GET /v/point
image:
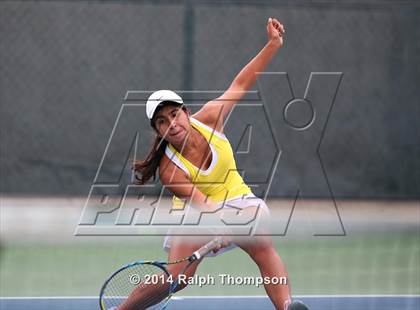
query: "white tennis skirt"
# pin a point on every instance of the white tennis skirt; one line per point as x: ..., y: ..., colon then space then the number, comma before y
x: 238, y: 203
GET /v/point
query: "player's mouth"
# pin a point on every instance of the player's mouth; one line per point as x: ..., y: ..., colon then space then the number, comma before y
x: 176, y: 134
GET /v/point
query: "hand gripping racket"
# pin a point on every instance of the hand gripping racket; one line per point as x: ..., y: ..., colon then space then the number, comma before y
x: 146, y: 284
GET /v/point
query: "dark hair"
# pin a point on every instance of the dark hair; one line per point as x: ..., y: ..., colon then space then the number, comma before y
x: 146, y: 169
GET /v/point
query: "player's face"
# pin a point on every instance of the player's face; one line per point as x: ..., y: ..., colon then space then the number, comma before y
x: 172, y: 123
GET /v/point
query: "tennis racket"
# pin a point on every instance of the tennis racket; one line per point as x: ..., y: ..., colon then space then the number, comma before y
x: 146, y: 284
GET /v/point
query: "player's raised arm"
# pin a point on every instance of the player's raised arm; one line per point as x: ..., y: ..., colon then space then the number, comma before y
x: 214, y: 112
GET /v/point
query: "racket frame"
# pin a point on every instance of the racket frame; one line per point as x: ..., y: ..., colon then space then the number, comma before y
x: 197, y: 255
x: 158, y: 264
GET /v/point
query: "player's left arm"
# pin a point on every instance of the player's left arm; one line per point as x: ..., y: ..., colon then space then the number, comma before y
x: 214, y: 112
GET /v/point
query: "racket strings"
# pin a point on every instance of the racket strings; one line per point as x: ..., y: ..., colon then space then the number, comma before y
x: 168, y: 288
x: 152, y: 296
x: 155, y: 296
x: 131, y: 282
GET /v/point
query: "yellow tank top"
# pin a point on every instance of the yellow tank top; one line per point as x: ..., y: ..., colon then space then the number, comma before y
x: 221, y: 181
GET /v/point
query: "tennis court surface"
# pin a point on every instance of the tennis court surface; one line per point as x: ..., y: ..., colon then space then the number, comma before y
x: 315, y: 302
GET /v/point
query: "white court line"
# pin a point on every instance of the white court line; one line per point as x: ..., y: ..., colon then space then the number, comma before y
x: 226, y: 297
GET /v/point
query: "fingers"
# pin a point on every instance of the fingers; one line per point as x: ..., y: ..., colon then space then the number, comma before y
x: 217, y: 249
x: 226, y: 241
x: 277, y: 25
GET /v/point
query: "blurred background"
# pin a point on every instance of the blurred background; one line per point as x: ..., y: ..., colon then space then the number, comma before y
x: 71, y: 69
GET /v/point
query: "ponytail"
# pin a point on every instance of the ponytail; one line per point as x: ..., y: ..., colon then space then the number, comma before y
x: 144, y: 170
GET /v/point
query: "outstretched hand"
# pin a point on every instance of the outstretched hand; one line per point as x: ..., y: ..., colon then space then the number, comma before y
x: 275, y: 31
x: 225, y: 242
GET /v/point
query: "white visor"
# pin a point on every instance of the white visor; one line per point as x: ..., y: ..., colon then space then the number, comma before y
x: 158, y: 97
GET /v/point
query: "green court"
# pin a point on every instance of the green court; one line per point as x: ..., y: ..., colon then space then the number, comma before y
x: 361, y: 264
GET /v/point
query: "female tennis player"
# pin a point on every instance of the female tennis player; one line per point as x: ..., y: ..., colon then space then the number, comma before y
x: 192, y: 151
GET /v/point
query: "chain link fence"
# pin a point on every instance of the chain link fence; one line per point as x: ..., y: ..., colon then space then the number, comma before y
x: 66, y: 67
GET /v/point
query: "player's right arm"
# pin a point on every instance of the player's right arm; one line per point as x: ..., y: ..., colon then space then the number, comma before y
x: 181, y: 186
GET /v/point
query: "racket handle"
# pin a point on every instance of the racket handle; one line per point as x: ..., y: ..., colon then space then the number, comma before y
x: 207, y: 248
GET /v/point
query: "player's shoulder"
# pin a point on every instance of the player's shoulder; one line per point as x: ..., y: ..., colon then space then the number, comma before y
x: 210, y: 116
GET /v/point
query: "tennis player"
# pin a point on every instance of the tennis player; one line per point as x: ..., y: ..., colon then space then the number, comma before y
x: 196, y: 163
